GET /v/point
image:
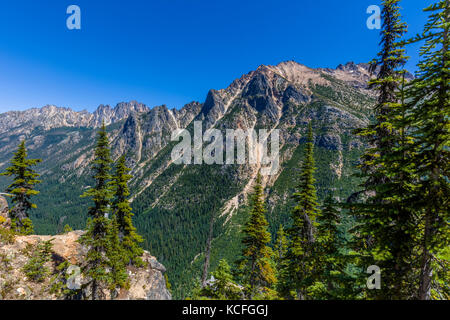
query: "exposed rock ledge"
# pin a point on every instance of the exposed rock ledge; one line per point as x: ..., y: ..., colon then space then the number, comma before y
x: 146, y: 283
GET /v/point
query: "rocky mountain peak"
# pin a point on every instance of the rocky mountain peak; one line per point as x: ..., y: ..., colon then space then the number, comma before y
x: 50, y: 117
x: 121, y: 111
x: 349, y: 66
x: 268, y: 88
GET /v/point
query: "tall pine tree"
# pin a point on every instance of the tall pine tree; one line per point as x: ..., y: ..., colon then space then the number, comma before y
x: 331, y: 260
x: 122, y: 215
x: 301, y: 245
x: 389, y: 64
x: 428, y: 115
x: 22, y: 189
x: 117, y: 259
x: 386, y: 221
x: 256, y: 264
x: 96, y: 236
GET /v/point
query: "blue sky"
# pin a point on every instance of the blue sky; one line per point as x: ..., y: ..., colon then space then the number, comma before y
x: 171, y: 52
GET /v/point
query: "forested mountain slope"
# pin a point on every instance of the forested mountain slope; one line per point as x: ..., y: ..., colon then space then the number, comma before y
x: 175, y: 204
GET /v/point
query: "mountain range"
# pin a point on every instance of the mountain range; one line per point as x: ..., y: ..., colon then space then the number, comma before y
x: 179, y: 207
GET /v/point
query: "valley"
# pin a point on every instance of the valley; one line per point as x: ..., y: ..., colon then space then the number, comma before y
x: 174, y: 204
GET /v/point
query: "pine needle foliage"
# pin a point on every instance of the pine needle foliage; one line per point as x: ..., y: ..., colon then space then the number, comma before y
x: 22, y: 189
x: 122, y: 216
x: 300, y: 256
x: 256, y: 265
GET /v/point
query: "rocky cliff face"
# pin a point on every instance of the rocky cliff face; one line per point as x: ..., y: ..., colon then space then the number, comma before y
x: 66, y: 257
x: 174, y: 204
x: 50, y: 116
x: 4, y: 218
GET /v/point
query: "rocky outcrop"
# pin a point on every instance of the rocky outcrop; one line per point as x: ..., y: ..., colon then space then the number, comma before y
x: 147, y: 283
x: 67, y: 256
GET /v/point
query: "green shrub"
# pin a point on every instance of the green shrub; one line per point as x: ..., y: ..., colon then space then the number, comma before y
x: 7, y: 235
x: 67, y: 229
x: 35, y: 269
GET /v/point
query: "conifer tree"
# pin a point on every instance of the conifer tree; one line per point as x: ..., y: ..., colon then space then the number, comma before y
x: 128, y: 236
x: 386, y: 221
x: 222, y: 286
x: 281, y: 250
x: 35, y: 269
x: 256, y: 264
x: 67, y: 229
x: 117, y: 261
x: 96, y: 236
x: 301, y: 245
x: 428, y: 115
x: 329, y: 245
x: 389, y: 64
x: 281, y: 246
x: 22, y: 189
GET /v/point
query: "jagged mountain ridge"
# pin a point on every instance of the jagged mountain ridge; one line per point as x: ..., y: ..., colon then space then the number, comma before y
x: 174, y: 204
x: 51, y: 116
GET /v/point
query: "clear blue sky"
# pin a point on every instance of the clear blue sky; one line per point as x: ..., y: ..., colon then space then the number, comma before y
x: 171, y: 51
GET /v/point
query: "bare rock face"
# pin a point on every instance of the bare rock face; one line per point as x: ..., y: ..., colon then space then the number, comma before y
x: 147, y: 283
x: 5, y: 221
x: 50, y: 117
x: 3, y: 208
